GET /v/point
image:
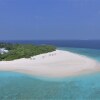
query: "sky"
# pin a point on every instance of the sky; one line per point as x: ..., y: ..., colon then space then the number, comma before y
x: 49, y: 19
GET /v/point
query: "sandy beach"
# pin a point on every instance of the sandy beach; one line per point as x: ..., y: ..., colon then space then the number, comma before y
x: 54, y: 64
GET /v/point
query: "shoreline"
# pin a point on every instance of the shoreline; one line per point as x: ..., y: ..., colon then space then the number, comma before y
x: 58, y: 64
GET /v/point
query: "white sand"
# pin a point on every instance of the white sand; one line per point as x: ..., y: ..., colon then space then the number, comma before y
x: 54, y: 64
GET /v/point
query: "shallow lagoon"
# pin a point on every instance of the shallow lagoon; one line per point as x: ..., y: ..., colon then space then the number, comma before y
x: 15, y: 86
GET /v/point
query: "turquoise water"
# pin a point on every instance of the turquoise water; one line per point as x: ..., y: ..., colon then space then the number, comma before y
x: 92, y: 53
x: 15, y: 86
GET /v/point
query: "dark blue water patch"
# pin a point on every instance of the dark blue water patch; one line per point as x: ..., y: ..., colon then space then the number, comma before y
x: 95, y: 44
x: 15, y: 86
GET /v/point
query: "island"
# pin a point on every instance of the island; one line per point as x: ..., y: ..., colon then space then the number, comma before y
x: 10, y: 51
x: 44, y: 61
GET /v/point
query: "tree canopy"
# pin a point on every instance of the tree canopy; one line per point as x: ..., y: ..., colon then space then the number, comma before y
x: 17, y: 51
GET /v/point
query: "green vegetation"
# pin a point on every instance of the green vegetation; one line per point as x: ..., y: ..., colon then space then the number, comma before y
x: 17, y: 51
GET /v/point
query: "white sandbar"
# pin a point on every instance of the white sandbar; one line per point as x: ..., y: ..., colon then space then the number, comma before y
x: 54, y: 64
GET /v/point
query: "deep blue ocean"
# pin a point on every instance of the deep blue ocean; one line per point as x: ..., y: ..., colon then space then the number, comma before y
x: 17, y: 86
x: 94, y: 44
